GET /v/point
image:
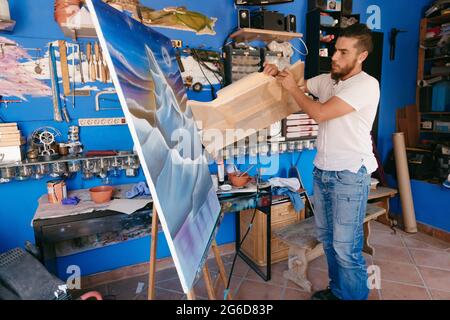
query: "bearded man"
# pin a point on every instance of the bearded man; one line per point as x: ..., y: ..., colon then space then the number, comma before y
x: 346, y: 109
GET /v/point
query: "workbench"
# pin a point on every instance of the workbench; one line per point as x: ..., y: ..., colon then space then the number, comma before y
x: 63, y: 230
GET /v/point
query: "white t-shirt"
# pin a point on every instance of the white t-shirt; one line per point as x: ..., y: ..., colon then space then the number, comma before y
x: 345, y: 143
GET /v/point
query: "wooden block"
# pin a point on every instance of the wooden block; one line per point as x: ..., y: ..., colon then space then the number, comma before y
x: 9, y: 136
x: 8, y: 129
x: 8, y: 124
x: 244, y: 107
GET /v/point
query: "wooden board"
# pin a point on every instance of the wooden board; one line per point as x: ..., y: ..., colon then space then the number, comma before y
x: 249, y: 34
x: 244, y: 107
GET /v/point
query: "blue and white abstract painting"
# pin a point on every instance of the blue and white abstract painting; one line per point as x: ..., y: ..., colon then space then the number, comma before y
x: 146, y: 75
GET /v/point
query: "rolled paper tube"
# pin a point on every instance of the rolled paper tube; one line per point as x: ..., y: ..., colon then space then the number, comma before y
x: 404, y: 183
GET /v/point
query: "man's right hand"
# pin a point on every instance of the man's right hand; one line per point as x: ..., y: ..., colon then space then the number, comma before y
x: 271, y: 69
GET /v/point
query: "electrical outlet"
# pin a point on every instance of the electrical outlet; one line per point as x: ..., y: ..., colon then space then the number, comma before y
x: 90, y: 122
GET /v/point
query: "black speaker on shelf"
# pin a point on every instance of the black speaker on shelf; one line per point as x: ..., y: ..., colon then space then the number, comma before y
x: 244, y: 18
x: 268, y: 20
x: 291, y: 23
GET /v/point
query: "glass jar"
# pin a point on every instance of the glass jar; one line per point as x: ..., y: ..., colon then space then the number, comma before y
x: 24, y: 173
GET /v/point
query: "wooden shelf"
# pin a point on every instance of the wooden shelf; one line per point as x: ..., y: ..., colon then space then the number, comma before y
x: 440, y: 19
x: 438, y: 58
x: 248, y: 34
x: 431, y: 131
x: 7, y: 25
x: 436, y: 113
x: 431, y: 76
x: 85, y: 32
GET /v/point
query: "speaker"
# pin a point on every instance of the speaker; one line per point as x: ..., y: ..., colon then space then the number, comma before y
x: 268, y: 20
x: 290, y: 23
x: 244, y: 18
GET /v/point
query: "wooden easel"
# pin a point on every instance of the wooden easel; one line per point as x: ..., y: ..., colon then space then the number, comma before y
x: 206, y: 275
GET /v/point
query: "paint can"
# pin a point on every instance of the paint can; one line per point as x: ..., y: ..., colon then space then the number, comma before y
x: 56, y: 190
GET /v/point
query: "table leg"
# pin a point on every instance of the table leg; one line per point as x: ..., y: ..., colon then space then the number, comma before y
x: 367, y: 248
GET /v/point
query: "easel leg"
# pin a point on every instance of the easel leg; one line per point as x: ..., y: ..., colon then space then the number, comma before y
x: 222, y: 272
x: 208, y: 283
x: 191, y: 295
x: 206, y: 274
x: 151, y: 275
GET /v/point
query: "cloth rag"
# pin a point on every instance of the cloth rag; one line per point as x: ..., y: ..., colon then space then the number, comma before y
x: 295, y: 198
x: 71, y: 201
x: 138, y: 189
x: 291, y: 183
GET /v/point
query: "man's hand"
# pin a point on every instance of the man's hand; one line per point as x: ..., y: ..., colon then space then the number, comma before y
x: 287, y: 80
x: 270, y: 69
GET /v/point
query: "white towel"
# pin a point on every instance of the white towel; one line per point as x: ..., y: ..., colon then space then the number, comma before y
x: 291, y: 183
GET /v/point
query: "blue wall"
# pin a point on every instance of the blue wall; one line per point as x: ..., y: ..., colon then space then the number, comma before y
x: 35, y: 30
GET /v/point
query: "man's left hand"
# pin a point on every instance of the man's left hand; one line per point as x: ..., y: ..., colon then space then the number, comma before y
x: 287, y: 80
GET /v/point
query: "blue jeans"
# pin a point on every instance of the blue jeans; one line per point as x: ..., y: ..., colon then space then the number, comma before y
x: 340, y: 200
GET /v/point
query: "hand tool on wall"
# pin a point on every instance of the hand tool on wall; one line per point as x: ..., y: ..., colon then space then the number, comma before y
x: 103, y: 67
x: 5, y: 101
x: 393, y: 41
x: 97, y: 59
x: 64, y: 66
x: 80, y: 62
x: 89, y: 60
x: 55, y: 87
x: 115, y: 99
x: 65, y: 113
x: 108, y: 75
x: 74, y: 47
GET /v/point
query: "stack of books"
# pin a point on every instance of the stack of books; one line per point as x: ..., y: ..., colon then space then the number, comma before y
x: 299, y: 125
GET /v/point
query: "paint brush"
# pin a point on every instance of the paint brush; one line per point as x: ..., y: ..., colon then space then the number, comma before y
x: 246, y: 170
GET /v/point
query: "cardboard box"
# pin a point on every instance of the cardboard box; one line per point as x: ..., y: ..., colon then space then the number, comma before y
x: 11, y: 154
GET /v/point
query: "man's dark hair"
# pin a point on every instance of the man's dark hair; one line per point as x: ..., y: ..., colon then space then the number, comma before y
x: 362, y: 33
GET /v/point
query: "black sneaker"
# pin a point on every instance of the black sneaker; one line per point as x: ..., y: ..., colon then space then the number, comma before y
x: 324, y: 295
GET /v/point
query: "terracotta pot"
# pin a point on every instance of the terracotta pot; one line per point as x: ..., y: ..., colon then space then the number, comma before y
x: 101, y: 194
x: 239, y: 181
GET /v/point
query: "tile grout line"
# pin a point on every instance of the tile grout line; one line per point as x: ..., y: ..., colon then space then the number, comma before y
x: 418, y: 271
x: 424, y: 249
x: 413, y: 264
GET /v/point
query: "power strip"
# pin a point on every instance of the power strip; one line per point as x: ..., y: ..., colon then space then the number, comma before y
x: 91, y: 122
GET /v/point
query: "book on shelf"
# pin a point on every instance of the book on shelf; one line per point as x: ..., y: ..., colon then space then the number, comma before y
x: 302, y: 128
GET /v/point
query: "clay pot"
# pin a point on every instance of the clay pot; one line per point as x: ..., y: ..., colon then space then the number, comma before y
x: 101, y: 194
x: 239, y: 181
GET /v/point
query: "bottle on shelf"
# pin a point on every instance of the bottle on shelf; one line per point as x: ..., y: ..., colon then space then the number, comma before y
x: 220, y: 170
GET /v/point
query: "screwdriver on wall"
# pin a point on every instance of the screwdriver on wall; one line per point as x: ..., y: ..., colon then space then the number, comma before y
x: 89, y: 58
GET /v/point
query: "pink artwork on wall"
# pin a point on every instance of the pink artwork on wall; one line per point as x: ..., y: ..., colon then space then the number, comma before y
x: 16, y: 78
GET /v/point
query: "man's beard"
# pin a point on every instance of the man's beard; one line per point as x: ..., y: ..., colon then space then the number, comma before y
x: 336, y: 76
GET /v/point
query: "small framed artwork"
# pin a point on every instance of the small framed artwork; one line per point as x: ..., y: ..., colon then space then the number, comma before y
x: 334, y: 5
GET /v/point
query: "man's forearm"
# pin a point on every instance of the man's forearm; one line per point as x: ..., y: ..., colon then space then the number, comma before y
x: 310, y: 107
